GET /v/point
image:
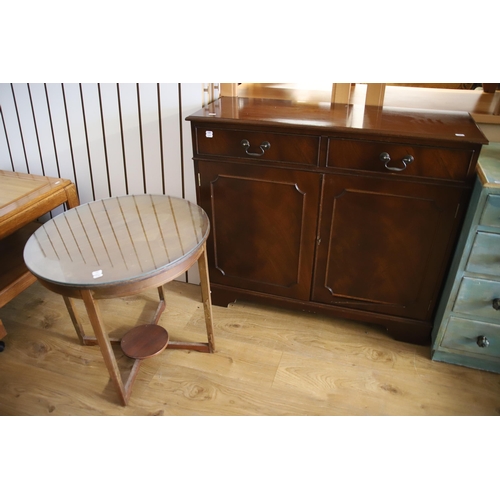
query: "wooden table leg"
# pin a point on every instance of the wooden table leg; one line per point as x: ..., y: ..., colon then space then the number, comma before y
x: 3, y: 332
x: 124, y: 389
x: 205, y: 296
x: 105, y: 345
x: 72, y: 196
x: 161, y: 306
x: 75, y: 319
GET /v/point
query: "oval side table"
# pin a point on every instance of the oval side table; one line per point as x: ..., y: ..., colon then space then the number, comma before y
x: 119, y: 247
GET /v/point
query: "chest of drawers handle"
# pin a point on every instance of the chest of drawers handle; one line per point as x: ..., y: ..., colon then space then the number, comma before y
x: 386, y: 158
x: 263, y: 147
x: 482, y: 341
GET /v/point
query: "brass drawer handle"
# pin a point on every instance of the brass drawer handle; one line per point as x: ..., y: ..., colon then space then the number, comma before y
x: 482, y: 341
x: 263, y: 147
x: 385, y: 157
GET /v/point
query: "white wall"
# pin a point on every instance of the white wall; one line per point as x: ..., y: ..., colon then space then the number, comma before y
x: 109, y: 139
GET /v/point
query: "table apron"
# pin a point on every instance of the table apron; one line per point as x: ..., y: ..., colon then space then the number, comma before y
x: 36, y: 208
x: 126, y: 288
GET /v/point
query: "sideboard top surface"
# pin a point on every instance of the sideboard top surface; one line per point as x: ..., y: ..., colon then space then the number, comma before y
x: 436, y: 126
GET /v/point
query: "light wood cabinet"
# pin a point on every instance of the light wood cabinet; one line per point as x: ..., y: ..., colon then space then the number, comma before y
x: 23, y: 199
x: 332, y: 210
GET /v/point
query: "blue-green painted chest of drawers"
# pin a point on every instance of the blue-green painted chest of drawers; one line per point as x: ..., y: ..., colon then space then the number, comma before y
x: 467, y: 325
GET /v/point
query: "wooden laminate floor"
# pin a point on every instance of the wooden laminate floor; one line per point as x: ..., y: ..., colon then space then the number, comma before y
x: 267, y: 362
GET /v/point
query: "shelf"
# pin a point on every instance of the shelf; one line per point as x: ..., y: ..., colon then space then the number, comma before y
x: 14, y: 275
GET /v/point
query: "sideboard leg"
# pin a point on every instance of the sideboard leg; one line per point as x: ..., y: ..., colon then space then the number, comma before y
x: 411, y: 333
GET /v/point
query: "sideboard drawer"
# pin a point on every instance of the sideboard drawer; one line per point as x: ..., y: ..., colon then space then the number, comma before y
x: 427, y: 161
x: 476, y: 297
x: 462, y: 335
x: 485, y: 257
x: 261, y: 146
x: 491, y: 213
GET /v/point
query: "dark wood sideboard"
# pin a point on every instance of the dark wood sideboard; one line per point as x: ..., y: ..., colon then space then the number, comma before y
x: 342, y: 210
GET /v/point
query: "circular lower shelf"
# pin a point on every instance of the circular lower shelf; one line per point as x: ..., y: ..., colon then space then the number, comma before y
x: 144, y: 341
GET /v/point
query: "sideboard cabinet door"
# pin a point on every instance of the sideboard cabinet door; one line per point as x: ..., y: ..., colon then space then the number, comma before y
x: 384, y: 244
x: 263, y: 230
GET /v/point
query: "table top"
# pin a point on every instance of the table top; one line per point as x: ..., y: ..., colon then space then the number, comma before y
x: 17, y: 189
x: 116, y: 240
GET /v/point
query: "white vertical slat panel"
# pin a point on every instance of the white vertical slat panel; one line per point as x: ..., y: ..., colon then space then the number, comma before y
x: 60, y: 130
x: 191, y: 101
x: 150, y: 129
x: 44, y: 129
x: 45, y: 138
x: 22, y: 97
x: 14, y: 143
x: 131, y: 138
x: 78, y: 141
x: 114, y: 144
x: 54, y: 112
x: 92, y: 111
x: 5, y: 157
x: 171, y: 139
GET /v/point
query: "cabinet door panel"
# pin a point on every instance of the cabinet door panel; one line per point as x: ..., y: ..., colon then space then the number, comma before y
x: 263, y: 226
x: 384, y: 244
